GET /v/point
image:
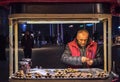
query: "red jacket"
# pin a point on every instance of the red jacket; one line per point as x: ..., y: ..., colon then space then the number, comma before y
x: 90, y: 49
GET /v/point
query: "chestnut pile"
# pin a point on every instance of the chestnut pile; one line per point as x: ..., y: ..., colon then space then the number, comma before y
x: 68, y: 73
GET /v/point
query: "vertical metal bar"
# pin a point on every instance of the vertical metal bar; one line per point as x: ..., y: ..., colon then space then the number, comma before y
x: 50, y: 28
x: 31, y: 26
x: 16, y: 46
x: 99, y: 8
x: 62, y: 32
x: 58, y: 31
x: 109, y: 44
x: 93, y: 29
x: 84, y: 26
x: 105, y: 44
x: 53, y: 34
x: 10, y: 47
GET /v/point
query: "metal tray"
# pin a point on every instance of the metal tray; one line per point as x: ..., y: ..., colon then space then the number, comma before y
x: 62, y: 74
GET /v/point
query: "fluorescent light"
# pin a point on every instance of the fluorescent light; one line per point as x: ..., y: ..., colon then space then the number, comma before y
x: 58, y: 22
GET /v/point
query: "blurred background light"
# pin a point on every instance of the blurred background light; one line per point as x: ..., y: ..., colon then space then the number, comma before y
x: 23, y: 26
x: 118, y: 27
x: 89, y: 25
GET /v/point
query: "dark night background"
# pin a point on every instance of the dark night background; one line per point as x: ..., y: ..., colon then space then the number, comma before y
x: 69, y: 30
x: 44, y: 8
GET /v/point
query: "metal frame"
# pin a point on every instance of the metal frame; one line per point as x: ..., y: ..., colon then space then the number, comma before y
x: 14, y: 19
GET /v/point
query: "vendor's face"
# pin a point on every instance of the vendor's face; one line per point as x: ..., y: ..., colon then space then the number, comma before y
x: 82, y: 38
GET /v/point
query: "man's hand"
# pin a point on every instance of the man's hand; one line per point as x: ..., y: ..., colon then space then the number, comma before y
x: 84, y: 59
x: 90, y: 62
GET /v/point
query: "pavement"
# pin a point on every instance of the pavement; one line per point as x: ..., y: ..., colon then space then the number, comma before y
x: 45, y: 57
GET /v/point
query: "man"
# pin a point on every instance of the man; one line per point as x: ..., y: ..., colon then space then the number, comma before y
x: 82, y: 52
x: 27, y: 44
x: 39, y: 39
x: 116, y: 55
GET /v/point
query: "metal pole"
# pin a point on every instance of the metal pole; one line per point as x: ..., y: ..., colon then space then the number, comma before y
x: 50, y: 30
x: 58, y: 31
x: 84, y: 26
x: 31, y: 27
x: 105, y: 44
x: 16, y: 46
x: 53, y: 34
x: 93, y: 29
x: 99, y: 8
x: 62, y: 32
x: 58, y: 34
x: 109, y: 44
x: 10, y: 47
